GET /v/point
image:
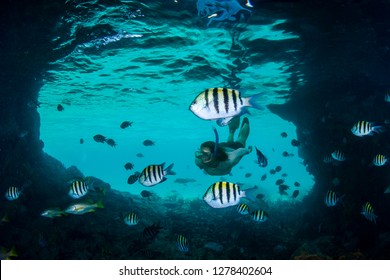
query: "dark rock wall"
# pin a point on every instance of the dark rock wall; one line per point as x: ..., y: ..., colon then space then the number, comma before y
x: 346, y: 62
x: 26, y: 29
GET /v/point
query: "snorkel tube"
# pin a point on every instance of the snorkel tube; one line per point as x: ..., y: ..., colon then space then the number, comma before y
x: 216, y: 142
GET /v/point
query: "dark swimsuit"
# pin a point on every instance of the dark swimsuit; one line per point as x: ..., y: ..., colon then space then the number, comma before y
x: 232, y: 145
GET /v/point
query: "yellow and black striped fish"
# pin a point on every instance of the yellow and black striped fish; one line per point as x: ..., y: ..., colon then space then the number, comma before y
x: 222, y: 104
x: 77, y: 189
x: 379, y: 160
x: 155, y: 174
x: 331, y: 199
x: 363, y: 128
x: 224, y: 194
x: 13, y: 193
x: 243, y: 209
x: 182, y: 243
x: 259, y: 216
x: 368, y: 212
x: 338, y: 155
x: 131, y: 219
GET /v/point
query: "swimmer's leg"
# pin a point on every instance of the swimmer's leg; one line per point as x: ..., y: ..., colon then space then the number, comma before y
x: 244, y: 132
x: 233, y: 125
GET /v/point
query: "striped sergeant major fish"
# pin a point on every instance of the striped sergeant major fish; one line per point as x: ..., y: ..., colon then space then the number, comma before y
x: 331, y: 198
x: 243, y: 209
x: 78, y: 188
x: 368, y: 212
x: 379, y: 160
x: 338, y: 155
x: 259, y: 216
x: 223, y: 104
x: 363, y: 128
x: 225, y: 194
x: 155, y: 174
x: 182, y: 243
x: 131, y: 219
x: 13, y: 193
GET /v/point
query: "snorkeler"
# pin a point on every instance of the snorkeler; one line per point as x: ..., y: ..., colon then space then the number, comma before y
x: 219, y: 158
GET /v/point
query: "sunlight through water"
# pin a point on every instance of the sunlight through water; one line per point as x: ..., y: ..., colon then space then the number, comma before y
x: 147, y: 68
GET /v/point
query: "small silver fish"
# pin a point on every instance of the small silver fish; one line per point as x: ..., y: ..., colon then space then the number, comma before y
x: 52, y: 213
x: 82, y: 208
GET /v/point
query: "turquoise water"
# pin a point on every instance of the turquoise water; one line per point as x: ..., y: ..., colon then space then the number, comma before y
x: 110, y: 61
x: 148, y: 70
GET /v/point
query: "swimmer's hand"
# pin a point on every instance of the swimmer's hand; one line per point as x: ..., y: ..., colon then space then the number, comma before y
x: 250, y: 149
